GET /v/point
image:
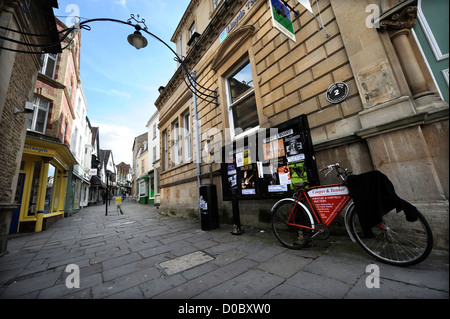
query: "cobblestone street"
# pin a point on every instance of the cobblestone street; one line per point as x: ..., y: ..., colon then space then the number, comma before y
x: 142, y: 254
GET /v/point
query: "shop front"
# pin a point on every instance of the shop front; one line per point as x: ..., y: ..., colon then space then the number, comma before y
x: 144, y: 191
x: 41, y: 186
x: 77, y: 193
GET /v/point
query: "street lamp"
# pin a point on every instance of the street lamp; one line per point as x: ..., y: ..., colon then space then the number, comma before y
x: 138, y: 41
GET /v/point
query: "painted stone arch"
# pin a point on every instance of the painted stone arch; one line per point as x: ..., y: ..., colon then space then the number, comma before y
x: 231, y: 44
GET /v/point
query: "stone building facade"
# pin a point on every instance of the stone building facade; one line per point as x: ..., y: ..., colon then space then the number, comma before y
x: 123, y: 178
x: 18, y: 69
x: 153, y: 158
x: 392, y: 120
x: 137, y: 171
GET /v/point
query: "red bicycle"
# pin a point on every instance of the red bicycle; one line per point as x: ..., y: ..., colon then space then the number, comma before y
x: 306, y: 216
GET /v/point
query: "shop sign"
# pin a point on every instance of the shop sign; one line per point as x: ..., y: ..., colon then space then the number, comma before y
x: 37, y: 150
x: 237, y: 19
x: 78, y: 171
x: 281, y: 19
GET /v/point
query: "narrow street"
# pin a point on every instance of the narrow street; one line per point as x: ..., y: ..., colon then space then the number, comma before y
x: 142, y: 254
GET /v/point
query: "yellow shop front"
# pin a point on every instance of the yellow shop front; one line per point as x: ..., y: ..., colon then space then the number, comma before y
x: 41, y: 185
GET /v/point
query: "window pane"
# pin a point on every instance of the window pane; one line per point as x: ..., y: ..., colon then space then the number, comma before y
x: 240, y: 83
x: 40, y: 121
x: 49, y: 191
x: 245, y: 115
x: 30, y: 123
x: 166, y: 154
x: 50, y: 65
x: 43, y: 104
x: 34, y: 189
x: 176, y: 145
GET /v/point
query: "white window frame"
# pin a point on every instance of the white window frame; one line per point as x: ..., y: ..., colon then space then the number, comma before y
x: 176, y: 142
x: 39, y: 105
x: 166, y: 151
x: 45, y: 58
x: 154, y: 131
x: 142, y: 188
x: 187, y: 137
x: 192, y: 29
x: 242, y: 98
x: 74, y: 141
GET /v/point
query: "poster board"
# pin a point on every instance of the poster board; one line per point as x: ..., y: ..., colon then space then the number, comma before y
x: 268, y: 164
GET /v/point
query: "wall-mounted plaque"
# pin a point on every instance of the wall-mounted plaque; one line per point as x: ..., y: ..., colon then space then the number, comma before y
x: 337, y: 92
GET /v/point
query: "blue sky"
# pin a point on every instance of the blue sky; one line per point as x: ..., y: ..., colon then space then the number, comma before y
x: 121, y: 83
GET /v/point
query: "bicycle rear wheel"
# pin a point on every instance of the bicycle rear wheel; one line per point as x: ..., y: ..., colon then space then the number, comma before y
x: 395, y: 241
x: 293, y: 237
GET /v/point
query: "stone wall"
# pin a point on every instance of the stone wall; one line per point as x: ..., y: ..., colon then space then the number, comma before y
x: 386, y: 122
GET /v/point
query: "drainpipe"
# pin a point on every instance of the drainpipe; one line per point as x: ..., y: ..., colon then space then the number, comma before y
x: 197, y: 138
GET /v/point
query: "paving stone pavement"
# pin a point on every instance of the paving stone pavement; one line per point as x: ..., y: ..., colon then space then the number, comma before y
x: 127, y: 256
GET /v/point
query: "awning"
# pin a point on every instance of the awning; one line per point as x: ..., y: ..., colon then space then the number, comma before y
x: 96, y: 181
x: 41, y: 146
x: 143, y: 177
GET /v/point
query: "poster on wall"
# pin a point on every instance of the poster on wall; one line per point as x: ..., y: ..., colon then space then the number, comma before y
x: 272, y: 164
x: 298, y: 173
x: 248, y: 180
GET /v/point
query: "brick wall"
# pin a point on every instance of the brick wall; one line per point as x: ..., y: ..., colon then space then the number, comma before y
x: 13, y: 127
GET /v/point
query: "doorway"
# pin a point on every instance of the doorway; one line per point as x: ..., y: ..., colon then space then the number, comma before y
x: 14, y: 226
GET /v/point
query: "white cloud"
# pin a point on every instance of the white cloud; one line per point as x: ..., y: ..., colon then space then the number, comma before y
x: 119, y: 93
x: 111, y: 92
x: 122, y: 3
x: 117, y: 138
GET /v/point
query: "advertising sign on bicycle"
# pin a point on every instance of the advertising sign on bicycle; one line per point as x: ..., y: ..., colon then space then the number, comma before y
x: 329, y: 201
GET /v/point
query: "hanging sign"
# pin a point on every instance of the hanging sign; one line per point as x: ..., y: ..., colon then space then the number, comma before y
x: 337, y: 92
x: 281, y: 18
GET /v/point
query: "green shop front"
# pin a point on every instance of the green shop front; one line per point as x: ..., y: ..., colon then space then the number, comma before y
x: 146, y: 190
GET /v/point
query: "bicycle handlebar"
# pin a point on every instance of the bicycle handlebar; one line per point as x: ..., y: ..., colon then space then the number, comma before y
x: 342, y: 174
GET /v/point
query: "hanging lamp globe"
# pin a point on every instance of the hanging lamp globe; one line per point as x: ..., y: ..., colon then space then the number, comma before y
x: 137, y: 40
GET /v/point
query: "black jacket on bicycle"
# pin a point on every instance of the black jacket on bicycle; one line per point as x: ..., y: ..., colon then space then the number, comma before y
x: 374, y: 195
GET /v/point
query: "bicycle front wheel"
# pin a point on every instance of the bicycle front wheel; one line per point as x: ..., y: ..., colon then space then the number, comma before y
x: 285, y: 213
x: 395, y: 241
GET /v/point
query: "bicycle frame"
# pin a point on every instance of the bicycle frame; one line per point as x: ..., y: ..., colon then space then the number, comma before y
x: 325, y: 204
